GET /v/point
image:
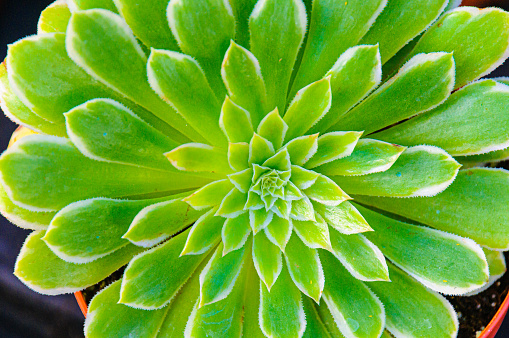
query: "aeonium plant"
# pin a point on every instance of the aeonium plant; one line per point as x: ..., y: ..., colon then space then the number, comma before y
x: 271, y: 168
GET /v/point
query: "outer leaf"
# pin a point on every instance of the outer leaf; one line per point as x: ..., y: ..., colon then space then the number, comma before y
x: 325, y: 315
x: 199, y: 157
x: 260, y: 149
x: 302, y: 210
x: 362, y: 318
x: 279, y: 231
x: 54, y: 18
x: 325, y: 191
x: 310, y: 104
x: 277, y: 30
x: 412, y: 310
x: 242, y: 180
x: 314, y: 324
x: 482, y: 109
x: 343, y: 217
x: 251, y: 326
x: 242, y: 10
x: 243, y: 79
x: 305, y: 268
x: 210, y: 195
x: 333, y: 146
x: 259, y: 219
x: 235, y: 232
x: 153, y: 278
x: 303, y: 178
x: 232, y: 204
x: 235, y: 122
x: 41, y: 270
x: 105, y: 316
x: 79, y: 5
x: 369, y: 156
x: 181, y: 82
x: 354, y: 75
x: 273, y: 128
x: 419, y: 171
x: 497, y: 267
x: 281, y: 310
x: 314, y: 234
x: 452, y: 211
x: 301, y: 149
x: 488, y: 29
x: 333, y: 28
x: 474, y: 160
x: 359, y: 256
x: 421, y: 84
x: 398, y: 24
x: 104, y: 130
x: 238, y: 156
x: 204, y: 234
x: 443, y: 262
x: 267, y: 259
x: 39, y: 171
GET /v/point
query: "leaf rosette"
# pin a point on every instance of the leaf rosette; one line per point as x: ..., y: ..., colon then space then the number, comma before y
x: 263, y: 168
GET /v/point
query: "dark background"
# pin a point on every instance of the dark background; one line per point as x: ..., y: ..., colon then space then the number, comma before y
x: 24, y: 313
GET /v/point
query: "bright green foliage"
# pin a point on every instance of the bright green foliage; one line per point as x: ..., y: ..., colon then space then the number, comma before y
x: 254, y: 170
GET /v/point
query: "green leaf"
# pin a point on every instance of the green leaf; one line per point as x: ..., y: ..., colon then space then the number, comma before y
x: 302, y: 148
x: 344, y: 217
x: 180, y: 81
x: 267, y: 259
x: 280, y: 161
x: 419, y: 171
x: 199, y: 157
x: 314, y: 234
x: 148, y: 22
x: 333, y: 146
x: 235, y: 232
x: 232, y: 204
x: 203, y: 29
x: 281, y: 310
x: 21, y: 217
x: 54, y: 18
x: 46, y: 173
x: 302, y: 210
x: 412, y: 310
x: 369, y: 156
x: 305, y: 268
x: 453, y: 211
x: 242, y: 10
x: 327, y: 320
x: 87, y: 230
x: 153, y: 278
x: 238, y: 155
x: 210, y: 195
x: 497, y: 267
x: 242, y: 179
x: 359, y: 256
x: 273, y: 128
x: 277, y: 30
x: 105, y: 316
x: 314, y: 324
x: 243, y: 79
x: 362, y: 318
x: 398, y: 24
x: 482, y: 108
x: 279, y: 231
x: 104, y: 130
x: 441, y: 261
x: 479, y: 40
x: 204, y: 234
x: 19, y: 113
x: 79, y: 5
x: 235, y: 122
x: 251, y: 326
x: 325, y: 191
x: 303, y: 178
x: 334, y: 27
x: 259, y: 219
x: 260, y: 149
x: 477, y: 160
x: 157, y: 222
x: 103, y: 45
x: 41, y: 270
x: 421, y: 84
x: 310, y: 104
x: 354, y: 75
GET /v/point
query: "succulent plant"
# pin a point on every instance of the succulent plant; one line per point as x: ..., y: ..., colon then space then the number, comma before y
x: 278, y: 168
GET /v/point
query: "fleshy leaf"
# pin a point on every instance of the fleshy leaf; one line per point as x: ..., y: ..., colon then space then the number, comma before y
x: 486, y: 28
x: 210, y: 195
x: 104, y: 130
x: 333, y: 146
x: 157, y: 222
x: 326, y: 191
x: 199, y: 157
x: 310, y: 104
x: 267, y: 259
x: 205, y: 234
x: 232, y: 204
x: 301, y: 149
x: 359, y: 256
x: 443, y: 262
x: 314, y: 234
x: 305, y: 268
x: 106, y: 315
x: 419, y: 171
x: 369, y: 156
x: 303, y: 178
x: 314, y: 324
x: 41, y: 270
x: 362, y: 318
x: 46, y: 173
x: 280, y: 161
x: 344, y: 217
x: 260, y: 149
x: 235, y: 232
x: 422, y: 83
x: 273, y: 128
x: 398, y: 24
x: 235, y: 122
x: 414, y: 311
x: 238, y: 156
x: 181, y: 82
x: 482, y: 108
x: 80, y: 5
x: 153, y: 278
x: 302, y: 210
x: 243, y: 79
x: 54, y: 18
x: 279, y: 231
x: 281, y: 310
x: 453, y: 211
x: 497, y: 267
x: 277, y: 30
x: 242, y: 179
x: 259, y: 219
